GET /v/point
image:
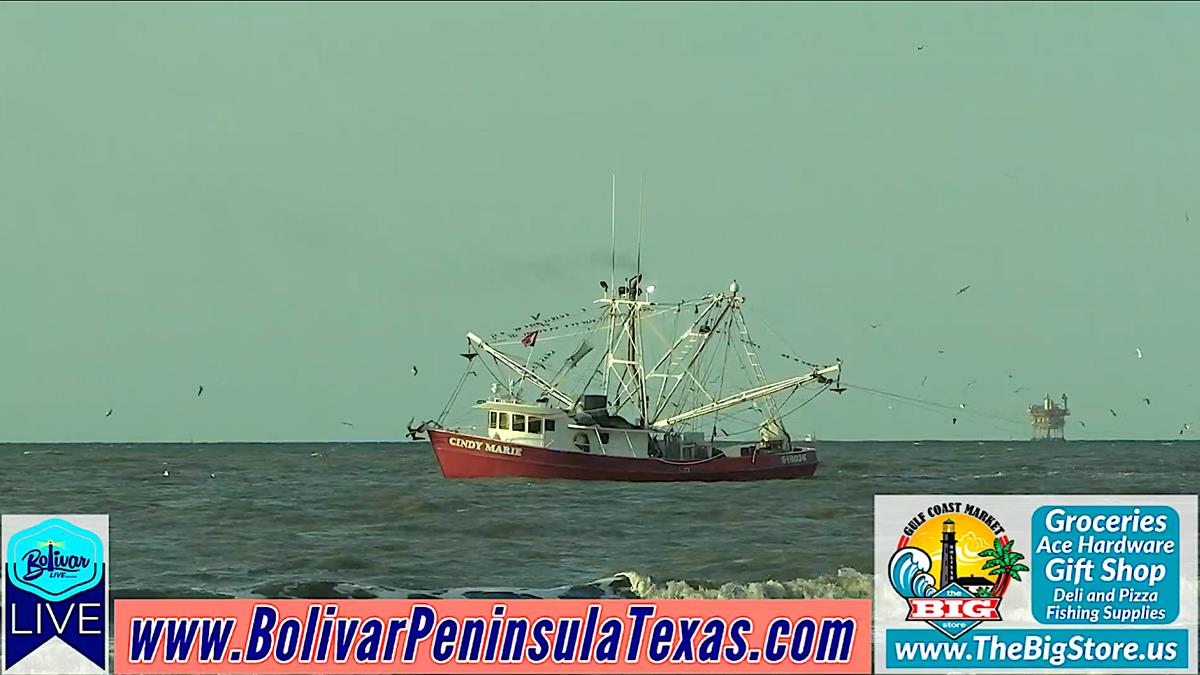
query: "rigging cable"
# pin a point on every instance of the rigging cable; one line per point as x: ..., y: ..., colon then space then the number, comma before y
x: 721, y: 384
x: 901, y: 397
x: 934, y: 404
x: 454, y: 396
x: 799, y: 406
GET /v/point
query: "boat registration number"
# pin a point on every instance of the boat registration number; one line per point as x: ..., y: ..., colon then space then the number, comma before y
x: 794, y: 458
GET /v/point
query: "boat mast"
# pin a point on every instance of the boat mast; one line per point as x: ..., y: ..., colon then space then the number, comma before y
x: 698, y: 339
x: 623, y: 363
x: 773, y: 421
x: 612, y: 288
x: 635, y: 346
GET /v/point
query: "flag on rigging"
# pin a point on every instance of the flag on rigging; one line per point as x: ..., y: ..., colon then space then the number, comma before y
x: 530, y: 339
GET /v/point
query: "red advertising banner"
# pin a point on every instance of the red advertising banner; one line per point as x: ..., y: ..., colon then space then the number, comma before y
x: 490, y: 636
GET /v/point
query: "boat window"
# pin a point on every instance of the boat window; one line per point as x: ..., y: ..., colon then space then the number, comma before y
x: 503, y: 421
x: 535, y: 425
x: 604, y: 437
x: 518, y: 422
x: 549, y: 425
x: 491, y: 419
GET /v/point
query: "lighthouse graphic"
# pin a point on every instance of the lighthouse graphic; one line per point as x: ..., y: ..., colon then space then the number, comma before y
x: 949, y: 592
x: 949, y: 554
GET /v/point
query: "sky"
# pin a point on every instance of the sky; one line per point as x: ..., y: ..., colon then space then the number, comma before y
x: 293, y: 204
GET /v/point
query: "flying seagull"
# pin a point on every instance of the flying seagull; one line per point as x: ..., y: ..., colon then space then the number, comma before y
x: 414, y: 371
x: 1019, y: 390
x: 1082, y: 424
x: 348, y: 424
x: 1147, y: 401
x: 1186, y: 427
x: 535, y: 316
x: 923, y: 380
x: 874, y: 325
x: 971, y: 383
x: 469, y: 355
x: 953, y: 420
x: 1139, y: 351
x: 1114, y: 412
x: 963, y: 289
x: 920, y: 47
x: 200, y: 390
x: 963, y: 406
x: 941, y: 351
x: 109, y: 413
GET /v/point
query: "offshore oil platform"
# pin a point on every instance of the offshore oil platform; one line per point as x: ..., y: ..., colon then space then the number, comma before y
x: 1049, y: 419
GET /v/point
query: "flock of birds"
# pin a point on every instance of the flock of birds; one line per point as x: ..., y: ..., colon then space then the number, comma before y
x: 954, y: 420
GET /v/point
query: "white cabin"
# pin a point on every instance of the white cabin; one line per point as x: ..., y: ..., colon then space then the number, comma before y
x: 545, y: 426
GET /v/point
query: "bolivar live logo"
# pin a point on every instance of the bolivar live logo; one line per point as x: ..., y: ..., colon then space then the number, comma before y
x: 55, y: 594
x: 942, y: 564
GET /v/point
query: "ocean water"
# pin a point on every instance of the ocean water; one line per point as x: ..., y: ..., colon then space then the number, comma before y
x: 323, y: 520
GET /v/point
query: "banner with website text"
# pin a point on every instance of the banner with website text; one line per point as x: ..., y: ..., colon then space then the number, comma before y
x: 1030, y: 584
x: 492, y: 636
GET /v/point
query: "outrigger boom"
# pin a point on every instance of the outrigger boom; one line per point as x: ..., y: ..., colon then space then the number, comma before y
x: 503, y: 358
x: 747, y: 396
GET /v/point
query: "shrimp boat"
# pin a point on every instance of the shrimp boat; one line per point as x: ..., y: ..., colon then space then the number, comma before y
x: 634, y: 416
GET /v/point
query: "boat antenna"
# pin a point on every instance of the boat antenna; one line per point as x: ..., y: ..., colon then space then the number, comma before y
x: 612, y: 279
x: 636, y: 335
x: 641, y: 219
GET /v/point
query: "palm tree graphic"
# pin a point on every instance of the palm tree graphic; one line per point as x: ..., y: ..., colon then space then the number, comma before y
x: 1003, y: 563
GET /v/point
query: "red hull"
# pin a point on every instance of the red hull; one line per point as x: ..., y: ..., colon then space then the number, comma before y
x: 467, y: 456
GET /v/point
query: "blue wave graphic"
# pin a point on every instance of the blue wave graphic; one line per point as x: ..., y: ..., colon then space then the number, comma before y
x: 909, y: 573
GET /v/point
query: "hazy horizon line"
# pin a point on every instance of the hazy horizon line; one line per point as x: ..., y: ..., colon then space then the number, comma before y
x: 422, y: 442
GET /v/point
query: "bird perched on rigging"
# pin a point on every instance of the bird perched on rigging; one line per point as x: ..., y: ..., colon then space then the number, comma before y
x: 414, y: 432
